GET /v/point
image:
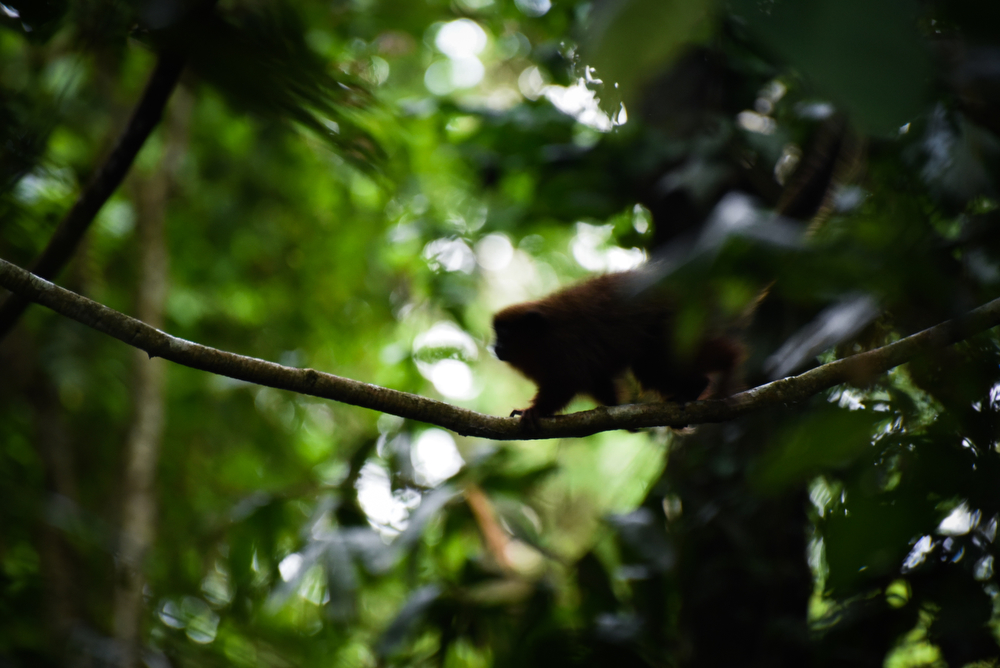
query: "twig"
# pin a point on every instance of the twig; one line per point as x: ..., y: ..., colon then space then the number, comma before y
x: 858, y: 368
x: 104, y: 182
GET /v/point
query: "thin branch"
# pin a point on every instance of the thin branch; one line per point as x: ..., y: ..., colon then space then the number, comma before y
x: 105, y: 181
x: 859, y: 368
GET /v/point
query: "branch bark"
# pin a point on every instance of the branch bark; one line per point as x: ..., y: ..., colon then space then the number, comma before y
x: 858, y: 369
x: 105, y: 181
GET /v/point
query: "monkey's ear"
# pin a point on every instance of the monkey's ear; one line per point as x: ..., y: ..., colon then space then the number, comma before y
x: 534, y: 319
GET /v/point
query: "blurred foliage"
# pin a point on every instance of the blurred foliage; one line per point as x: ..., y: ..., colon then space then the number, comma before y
x: 364, y: 184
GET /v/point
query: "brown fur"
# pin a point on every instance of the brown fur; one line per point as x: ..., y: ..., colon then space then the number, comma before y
x: 581, y: 339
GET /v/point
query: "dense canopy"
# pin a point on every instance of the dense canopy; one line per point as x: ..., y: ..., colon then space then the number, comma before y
x: 324, y: 203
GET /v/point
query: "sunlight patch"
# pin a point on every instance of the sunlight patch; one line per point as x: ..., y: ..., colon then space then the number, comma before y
x: 435, y: 457
x: 461, y: 41
x: 959, y: 522
x: 593, y: 250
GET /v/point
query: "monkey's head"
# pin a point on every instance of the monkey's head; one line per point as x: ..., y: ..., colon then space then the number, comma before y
x: 519, y: 330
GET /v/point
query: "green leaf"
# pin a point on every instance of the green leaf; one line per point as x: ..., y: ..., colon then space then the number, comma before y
x: 629, y: 41
x: 865, y: 54
x: 827, y: 437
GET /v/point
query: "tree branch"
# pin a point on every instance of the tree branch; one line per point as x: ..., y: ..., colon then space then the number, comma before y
x: 104, y: 182
x: 859, y: 369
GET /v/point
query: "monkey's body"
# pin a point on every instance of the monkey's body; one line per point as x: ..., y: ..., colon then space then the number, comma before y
x: 581, y: 339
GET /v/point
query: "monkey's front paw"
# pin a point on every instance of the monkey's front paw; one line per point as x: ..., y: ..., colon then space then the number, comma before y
x: 529, y: 418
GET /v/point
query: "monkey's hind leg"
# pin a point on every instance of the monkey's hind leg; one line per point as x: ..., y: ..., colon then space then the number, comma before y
x: 605, y: 392
x: 722, y: 357
x: 669, y: 381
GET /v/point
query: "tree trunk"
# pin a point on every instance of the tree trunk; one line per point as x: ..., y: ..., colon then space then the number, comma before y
x: 142, y: 448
